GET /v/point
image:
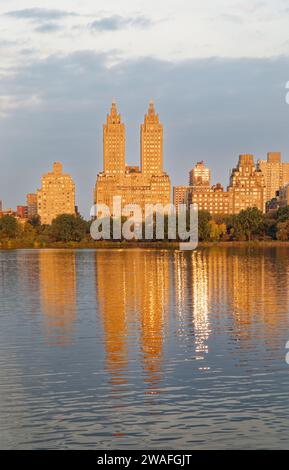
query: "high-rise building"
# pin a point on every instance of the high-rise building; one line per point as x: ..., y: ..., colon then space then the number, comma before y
x: 56, y: 196
x: 114, y: 143
x: 181, y: 194
x: 151, y: 143
x: 247, y: 186
x: 150, y: 185
x: 31, y: 199
x: 200, y: 175
x: 276, y: 173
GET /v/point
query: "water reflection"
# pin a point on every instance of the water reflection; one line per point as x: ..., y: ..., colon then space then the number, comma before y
x: 133, y: 295
x: 142, y: 348
x: 57, y: 281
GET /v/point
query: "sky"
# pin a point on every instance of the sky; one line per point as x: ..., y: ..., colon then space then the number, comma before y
x: 217, y: 71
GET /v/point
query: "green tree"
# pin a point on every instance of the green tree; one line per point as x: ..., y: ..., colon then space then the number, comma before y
x: 204, y: 226
x: 217, y: 231
x: 283, y: 214
x: 9, y: 227
x: 283, y: 231
x: 248, y: 224
x: 68, y: 228
x: 270, y: 226
x: 35, y: 221
x: 29, y: 233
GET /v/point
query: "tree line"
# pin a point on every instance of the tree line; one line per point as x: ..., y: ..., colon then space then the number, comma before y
x: 249, y: 224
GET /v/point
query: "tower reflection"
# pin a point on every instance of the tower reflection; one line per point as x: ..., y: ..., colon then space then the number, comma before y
x: 57, y: 279
x: 133, y: 294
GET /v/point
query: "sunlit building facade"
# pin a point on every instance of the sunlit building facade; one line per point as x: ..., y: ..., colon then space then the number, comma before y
x: 200, y: 175
x: 247, y: 186
x: 246, y: 189
x: 212, y: 199
x: 56, y: 196
x: 148, y: 185
x: 181, y: 194
x: 276, y: 173
x: 31, y: 202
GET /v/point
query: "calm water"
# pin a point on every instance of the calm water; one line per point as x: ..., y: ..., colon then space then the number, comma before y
x: 144, y: 349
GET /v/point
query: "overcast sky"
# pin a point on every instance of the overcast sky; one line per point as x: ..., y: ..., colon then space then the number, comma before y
x: 216, y: 69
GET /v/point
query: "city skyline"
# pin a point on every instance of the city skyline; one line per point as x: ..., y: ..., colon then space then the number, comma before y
x: 217, y: 98
x: 220, y: 171
x: 151, y: 117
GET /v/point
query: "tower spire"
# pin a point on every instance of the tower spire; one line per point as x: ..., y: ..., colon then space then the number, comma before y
x: 113, y: 107
x: 151, y: 107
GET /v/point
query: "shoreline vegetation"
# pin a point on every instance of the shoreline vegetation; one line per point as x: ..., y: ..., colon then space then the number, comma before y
x: 248, y: 228
x: 147, y: 245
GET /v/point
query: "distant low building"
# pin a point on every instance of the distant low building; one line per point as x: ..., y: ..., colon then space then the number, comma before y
x: 211, y: 199
x: 22, y: 212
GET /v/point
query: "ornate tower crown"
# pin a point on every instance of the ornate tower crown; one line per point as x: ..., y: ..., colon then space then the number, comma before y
x: 113, y: 117
x: 151, y: 116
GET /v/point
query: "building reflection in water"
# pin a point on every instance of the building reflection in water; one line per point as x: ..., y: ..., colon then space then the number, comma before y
x: 28, y: 279
x: 154, y: 295
x: 222, y: 286
x: 212, y: 288
x: 257, y: 276
x: 192, y: 299
x: 133, y: 294
x: 112, y: 298
x: 57, y: 278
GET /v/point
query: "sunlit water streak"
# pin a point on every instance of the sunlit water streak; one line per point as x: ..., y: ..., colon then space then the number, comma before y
x: 144, y: 349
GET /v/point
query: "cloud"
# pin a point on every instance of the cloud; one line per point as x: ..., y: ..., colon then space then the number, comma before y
x: 15, y: 103
x: 40, y: 14
x: 48, y: 28
x: 116, y: 22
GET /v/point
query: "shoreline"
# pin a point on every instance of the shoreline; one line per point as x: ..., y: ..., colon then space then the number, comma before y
x: 174, y: 246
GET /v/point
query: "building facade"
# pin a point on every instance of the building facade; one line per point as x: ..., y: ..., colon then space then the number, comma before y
x: 276, y: 173
x: 22, y: 212
x: 180, y: 195
x: 56, y: 196
x: 31, y: 202
x: 211, y: 199
x: 247, y: 186
x: 148, y: 185
x: 200, y: 175
x: 246, y: 189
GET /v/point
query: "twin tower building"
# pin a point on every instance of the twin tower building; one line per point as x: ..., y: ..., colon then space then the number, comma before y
x: 147, y: 184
